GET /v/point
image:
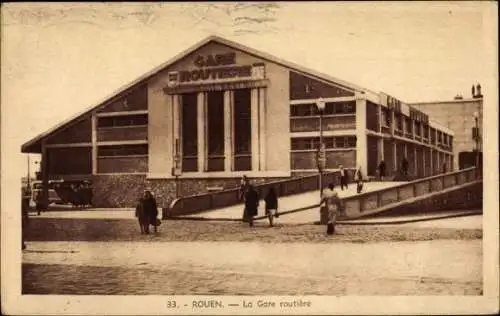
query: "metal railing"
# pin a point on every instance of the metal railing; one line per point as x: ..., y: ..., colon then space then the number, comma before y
x: 366, y: 203
x: 208, y: 201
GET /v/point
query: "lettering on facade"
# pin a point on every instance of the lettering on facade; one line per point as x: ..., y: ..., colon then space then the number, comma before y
x: 419, y: 116
x: 394, y: 104
x: 216, y: 68
x: 215, y: 60
x: 215, y: 73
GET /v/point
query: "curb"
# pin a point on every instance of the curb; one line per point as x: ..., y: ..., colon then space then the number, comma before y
x: 339, y: 222
x: 411, y: 220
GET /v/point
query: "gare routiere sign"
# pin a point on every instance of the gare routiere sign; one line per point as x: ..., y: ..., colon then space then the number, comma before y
x: 216, y: 68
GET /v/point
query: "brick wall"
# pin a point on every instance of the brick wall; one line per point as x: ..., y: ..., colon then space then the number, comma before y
x: 117, y: 190
x: 123, y: 190
x: 80, y: 132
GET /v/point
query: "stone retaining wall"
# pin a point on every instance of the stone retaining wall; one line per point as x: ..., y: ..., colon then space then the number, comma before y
x: 124, y: 190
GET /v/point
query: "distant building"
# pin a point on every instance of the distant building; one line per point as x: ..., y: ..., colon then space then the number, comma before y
x: 458, y: 116
x: 221, y: 110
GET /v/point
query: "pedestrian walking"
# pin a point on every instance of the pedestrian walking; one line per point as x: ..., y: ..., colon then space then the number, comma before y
x: 333, y: 204
x: 251, y: 205
x: 381, y: 170
x: 244, y: 183
x: 271, y: 206
x: 343, y: 178
x: 141, y: 216
x: 25, y: 216
x: 358, y: 177
x: 405, y: 166
x: 150, y: 210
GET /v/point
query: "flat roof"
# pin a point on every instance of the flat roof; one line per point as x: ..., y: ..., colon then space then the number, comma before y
x: 447, y: 101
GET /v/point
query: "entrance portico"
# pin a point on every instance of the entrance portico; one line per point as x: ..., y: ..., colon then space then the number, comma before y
x: 220, y: 130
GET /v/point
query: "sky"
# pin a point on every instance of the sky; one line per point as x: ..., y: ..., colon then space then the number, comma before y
x: 60, y: 59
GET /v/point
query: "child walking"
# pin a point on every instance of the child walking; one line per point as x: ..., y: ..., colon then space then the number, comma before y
x: 271, y: 206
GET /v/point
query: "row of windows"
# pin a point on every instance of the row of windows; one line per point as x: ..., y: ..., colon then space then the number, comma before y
x: 408, y: 128
x: 305, y: 143
x: 122, y: 150
x: 123, y: 120
x: 310, y: 109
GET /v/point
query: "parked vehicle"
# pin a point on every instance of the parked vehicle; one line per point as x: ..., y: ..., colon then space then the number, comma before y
x: 36, y: 191
x: 78, y: 192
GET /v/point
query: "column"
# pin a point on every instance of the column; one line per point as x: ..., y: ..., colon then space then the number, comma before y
x: 94, y: 143
x: 393, y: 121
x: 361, y: 138
x: 262, y: 128
x: 438, y: 162
x: 380, y: 142
x: 45, y: 176
x: 254, y: 110
x: 380, y: 148
x: 395, y: 163
x: 200, y: 122
x: 175, y: 126
x: 228, y: 135
x: 431, y: 153
x: 415, y: 160
x: 403, y: 125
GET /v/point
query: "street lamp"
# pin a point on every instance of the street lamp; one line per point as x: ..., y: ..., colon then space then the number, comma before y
x: 476, y: 136
x: 320, y: 104
x: 28, y: 179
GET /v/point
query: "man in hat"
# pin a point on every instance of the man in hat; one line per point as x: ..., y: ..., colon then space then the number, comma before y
x: 343, y: 178
x: 150, y: 210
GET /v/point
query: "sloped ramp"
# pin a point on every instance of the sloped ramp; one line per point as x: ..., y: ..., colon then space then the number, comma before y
x: 289, y: 205
x: 379, y: 197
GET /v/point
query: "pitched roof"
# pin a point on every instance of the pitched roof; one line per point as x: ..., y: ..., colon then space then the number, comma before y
x: 31, y: 146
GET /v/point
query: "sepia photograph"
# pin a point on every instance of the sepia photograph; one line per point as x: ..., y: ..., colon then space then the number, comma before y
x: 249, y: 158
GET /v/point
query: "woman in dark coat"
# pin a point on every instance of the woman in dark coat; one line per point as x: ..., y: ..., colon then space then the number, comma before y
x: 141, y: 216
x: 150, y: 211
x: 381, y: 170
x: 243, y: 187
x: 251, y: 204
x: 358, y: 177
x: 271, y: 205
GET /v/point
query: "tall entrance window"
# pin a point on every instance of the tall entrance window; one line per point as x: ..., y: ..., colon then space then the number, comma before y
x: 242, y: 130
x: 189, y: 132
x: 215, y: 130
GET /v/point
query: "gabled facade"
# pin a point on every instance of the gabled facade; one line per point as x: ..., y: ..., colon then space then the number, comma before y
x: 221, y: 110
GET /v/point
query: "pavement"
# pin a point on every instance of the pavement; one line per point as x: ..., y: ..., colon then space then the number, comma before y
x: 234, y: 212
x: 72, y: 253
x: 288, y: 203
x: 438, y: 267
